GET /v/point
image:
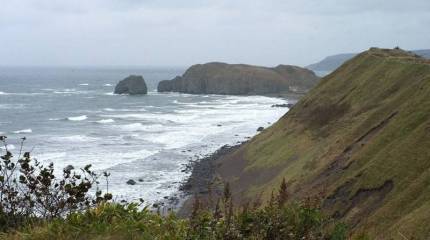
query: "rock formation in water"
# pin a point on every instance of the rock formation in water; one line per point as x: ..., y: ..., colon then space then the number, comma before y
x: 240, y: 79
x: 131, y: 85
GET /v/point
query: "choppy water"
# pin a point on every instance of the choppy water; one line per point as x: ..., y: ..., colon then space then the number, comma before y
x: 70, y: 116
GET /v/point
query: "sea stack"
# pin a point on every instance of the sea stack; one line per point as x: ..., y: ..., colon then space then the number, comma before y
x: 240, y: 79
x: 132, y: 85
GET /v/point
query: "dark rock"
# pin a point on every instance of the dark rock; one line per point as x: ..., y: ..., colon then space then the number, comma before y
x: 131, y: 85
x: 140, y: 180
x: 285, y: 105
x: 239, y: 79
x: 169, y: 85
x: 131, y: 182
x: 69, y: 168
x: 260, y: 129
x: 203, y: 172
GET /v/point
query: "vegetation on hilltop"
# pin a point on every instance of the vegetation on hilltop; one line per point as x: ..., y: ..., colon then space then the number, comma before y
x: 331, y: 63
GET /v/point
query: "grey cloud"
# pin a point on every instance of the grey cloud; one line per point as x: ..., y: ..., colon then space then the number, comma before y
x: 132, y: 32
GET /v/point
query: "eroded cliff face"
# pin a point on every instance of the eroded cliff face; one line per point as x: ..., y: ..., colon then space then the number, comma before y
x: 239, y: 79
x: 360, y: 139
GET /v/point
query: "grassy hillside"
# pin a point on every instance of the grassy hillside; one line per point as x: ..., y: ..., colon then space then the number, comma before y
x: 361, y: 138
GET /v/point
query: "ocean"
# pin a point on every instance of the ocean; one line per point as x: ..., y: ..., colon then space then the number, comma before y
x: 70, y: 117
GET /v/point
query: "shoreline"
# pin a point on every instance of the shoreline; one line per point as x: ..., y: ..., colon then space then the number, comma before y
x: 205, y: 181
x: 203, y: 176
x: 202, y: 179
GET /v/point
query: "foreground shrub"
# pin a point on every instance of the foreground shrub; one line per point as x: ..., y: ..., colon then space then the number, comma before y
x: 115, y: 221
x: 35, y: 204
x: 29, y: 191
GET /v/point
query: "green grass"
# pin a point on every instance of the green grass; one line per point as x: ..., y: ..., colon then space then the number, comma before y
x: 343, y: 107
x: 114, y: 221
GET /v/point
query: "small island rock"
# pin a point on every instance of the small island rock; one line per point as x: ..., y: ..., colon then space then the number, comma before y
x: 131, y: 85
x: 131, y: 182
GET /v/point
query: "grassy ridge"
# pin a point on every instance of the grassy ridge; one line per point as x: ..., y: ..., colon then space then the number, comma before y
x: 362, y: 137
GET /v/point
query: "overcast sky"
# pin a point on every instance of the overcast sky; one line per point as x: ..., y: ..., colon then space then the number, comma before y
x: 184, y: 32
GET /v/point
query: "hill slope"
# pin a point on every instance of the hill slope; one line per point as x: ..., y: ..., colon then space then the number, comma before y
x: 330, y: 63
x: 361, y: 137
x: 239, y: 79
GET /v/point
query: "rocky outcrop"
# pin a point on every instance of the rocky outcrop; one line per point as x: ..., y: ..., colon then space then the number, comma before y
x: 131, y: 85
x: 240, y: 79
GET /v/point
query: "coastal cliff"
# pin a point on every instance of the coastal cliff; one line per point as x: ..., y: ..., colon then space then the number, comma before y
x: 360, y: 140
x: 240, y: 79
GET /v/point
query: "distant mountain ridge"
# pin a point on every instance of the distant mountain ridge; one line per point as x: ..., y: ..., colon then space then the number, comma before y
x: 331, y: 63
x: 240, y: 79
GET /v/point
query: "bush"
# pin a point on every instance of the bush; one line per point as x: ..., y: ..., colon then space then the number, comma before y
x: 115, y: 221
x: 37, y: 205
x: 30, y: 192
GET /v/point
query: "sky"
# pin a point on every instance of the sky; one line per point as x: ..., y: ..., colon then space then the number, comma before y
x: 186, y: 32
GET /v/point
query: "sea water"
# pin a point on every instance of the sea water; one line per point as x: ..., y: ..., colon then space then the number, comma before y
x: 71, y: 117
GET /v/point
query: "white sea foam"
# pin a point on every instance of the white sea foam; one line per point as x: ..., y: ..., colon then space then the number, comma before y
x: 51, y: 156
x: 136, y: 127
x: 8, y: 146
x: 84, y: 84
x: 115, y: 158
x: 110, y: 94
x: 104, y: 121
x: 23, y: 131
x: 22, y: 94
x: 155, y: 117
x: 181, y: 103
x: 12, y: 106
x: 107, y: 85
x: 73, y: 138
x: 70, y: 91
x: 66, y: 90
x: 125, y: 110
x: 77, y: 118
x: 133, y: 127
